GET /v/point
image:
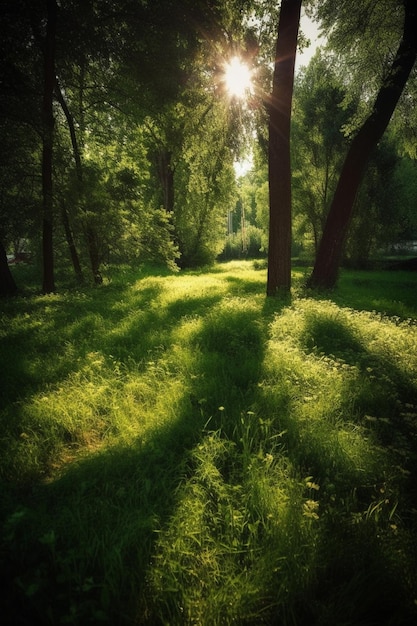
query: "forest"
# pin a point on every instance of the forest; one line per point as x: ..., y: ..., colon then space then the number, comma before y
x: 208, y: 345
x: 120, y: 134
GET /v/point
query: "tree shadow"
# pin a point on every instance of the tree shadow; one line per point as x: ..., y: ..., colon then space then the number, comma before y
x: 385, y: 401
x: 336, y: 338
x: 360, y: 543
x: 73, y: 543
x: 377, y: 291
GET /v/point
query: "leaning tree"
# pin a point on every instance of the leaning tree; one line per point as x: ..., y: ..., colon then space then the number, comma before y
x: 325, y: 271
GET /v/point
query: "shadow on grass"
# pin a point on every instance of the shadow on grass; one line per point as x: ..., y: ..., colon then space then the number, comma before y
x: 383, y: 291
x: 238, y: 286
x: 77, y: 550
x: 388, y: 387
x: 368, y: 514
x: 385, y: 401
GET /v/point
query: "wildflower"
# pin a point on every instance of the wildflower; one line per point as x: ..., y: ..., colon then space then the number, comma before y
x: 310, y: 509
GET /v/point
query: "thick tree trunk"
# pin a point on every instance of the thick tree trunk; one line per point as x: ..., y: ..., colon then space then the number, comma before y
x: 7, y: 284
x: 279, y: 252
x: 48, y: 285
x: 326, y: 267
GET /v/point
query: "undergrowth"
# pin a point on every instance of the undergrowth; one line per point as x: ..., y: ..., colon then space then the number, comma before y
x: 178, y: 449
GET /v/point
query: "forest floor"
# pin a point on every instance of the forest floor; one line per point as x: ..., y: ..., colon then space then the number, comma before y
x: 180, y: 449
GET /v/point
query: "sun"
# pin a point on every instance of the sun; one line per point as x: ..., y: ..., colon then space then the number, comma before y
x: 237, y: 77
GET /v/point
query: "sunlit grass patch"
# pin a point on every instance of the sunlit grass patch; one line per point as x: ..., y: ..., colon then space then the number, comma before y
x: 101, y: 404
x: 179, y: 449
x: 234, y: 542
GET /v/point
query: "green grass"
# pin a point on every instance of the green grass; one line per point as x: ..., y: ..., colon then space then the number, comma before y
x: 179, y: 449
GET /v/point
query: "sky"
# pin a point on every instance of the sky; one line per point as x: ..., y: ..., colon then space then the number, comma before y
x: 310, y: 30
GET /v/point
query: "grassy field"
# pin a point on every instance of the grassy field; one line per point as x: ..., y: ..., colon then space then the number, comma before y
x: 179, y: 449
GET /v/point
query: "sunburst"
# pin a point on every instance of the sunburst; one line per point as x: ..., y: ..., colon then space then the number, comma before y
x: 237, y: 78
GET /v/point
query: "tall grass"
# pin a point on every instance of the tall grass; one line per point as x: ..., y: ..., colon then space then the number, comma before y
x: 178, y: 449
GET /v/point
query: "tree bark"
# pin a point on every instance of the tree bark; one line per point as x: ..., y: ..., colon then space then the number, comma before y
x: 7, y: 284
x: 75, y: 259
x: 94, y: 254
x: 326, y: 267
x: 48, y: 285
x: 166, y: 178
x: 279, y: 161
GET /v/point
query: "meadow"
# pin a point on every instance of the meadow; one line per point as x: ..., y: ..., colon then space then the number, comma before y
x: 180, y: 449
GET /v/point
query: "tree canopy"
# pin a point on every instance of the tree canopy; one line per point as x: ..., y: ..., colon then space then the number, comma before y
x: 119, y: 135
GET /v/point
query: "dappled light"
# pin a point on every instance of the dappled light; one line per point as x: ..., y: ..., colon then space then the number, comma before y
x: 208, y: 314
x: 196, y: 441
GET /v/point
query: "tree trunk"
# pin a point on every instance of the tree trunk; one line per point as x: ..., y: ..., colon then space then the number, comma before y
x: 326, y: 267
x: 75, y: 259
x: 90, y: 231
x: 77, y: 157
x: 48, y: 285
x: 166, y: 178
x: 279, y: 252
x: 7, y: 284
x: 93, y: 251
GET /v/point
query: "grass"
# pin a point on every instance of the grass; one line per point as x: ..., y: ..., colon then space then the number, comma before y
x: 178, y: 449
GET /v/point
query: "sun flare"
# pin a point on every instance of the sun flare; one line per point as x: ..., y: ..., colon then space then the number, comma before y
x: 237, y: 77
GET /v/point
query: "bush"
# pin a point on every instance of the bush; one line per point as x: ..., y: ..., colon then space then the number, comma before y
x: 246, y: 245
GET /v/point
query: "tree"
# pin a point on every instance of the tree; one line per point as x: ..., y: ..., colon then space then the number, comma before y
x: 48, y: 123
x: 8, y: 286
x: 377, y: 216
x: 19, y: 135
x: 279, y: 250
x: 318, y: 144
x: 330, y: 251
x: 205, y: 184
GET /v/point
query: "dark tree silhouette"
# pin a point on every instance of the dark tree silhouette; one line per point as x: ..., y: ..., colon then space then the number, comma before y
x: 7, y: 284
x: 48, y: 284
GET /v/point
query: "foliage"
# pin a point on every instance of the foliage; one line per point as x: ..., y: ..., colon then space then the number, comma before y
x: 365, y: 38
x: 205, y: 187
x: 405, y: 181
x: 379, y: 208
x: 133, y: 82
x: 244, y: 244
x: 318, y: 145
x: 397, y: 69
x: 176, y: 448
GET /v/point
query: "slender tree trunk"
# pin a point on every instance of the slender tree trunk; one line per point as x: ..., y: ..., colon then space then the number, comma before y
x: 279, y: 252
x: 71, y: 126
x: 75, y: 259
x: 166, y: 178
x: 48, y: 284
x: 326, y: 267
x: 94, y: 254
x: 90, y: 232
x: 7, y: 284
